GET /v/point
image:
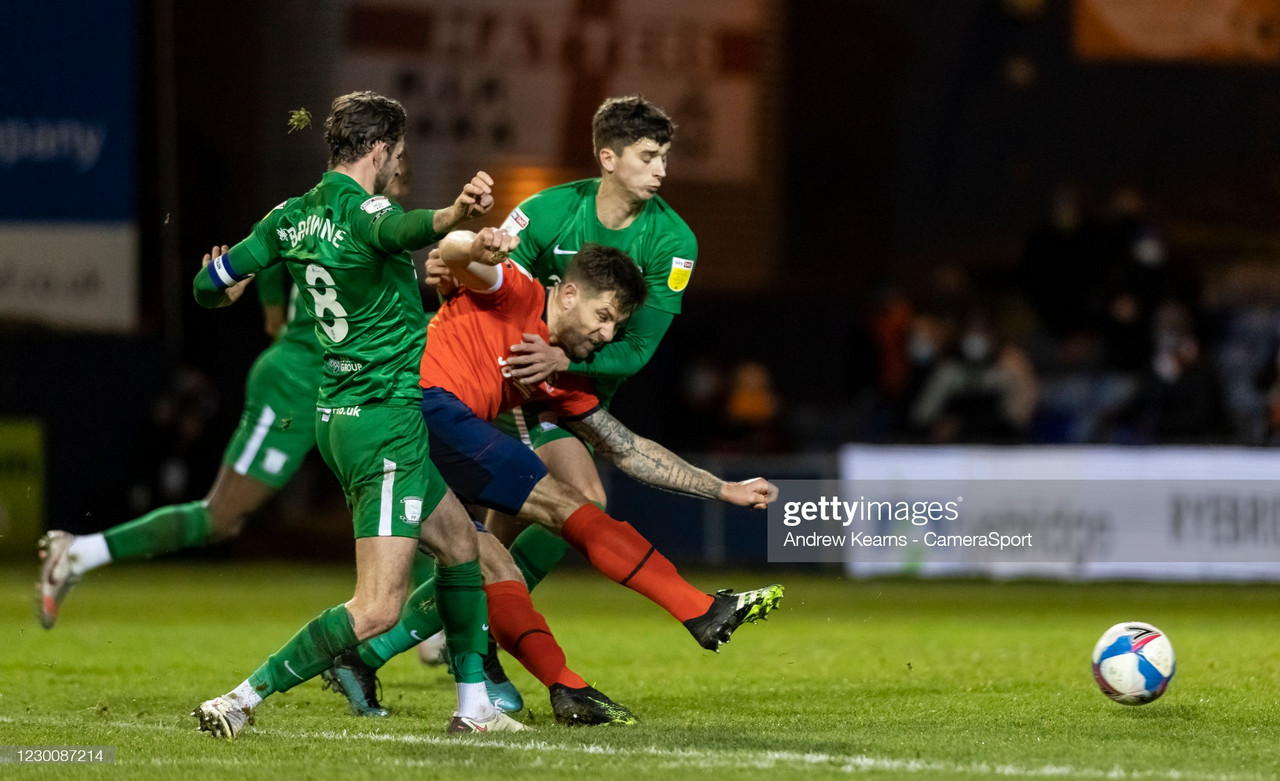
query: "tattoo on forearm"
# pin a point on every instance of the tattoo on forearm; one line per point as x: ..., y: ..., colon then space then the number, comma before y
x: 644, y: 459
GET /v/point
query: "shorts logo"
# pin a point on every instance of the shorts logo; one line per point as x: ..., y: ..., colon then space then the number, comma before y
x: 515, y: 222
x: 412, y: 509
x: 274, y: 461
x: 681, y: 270
x: 376, y: 204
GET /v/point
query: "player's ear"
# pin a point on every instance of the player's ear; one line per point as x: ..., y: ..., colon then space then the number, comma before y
x: 608, y: 159
x: 568, y: 295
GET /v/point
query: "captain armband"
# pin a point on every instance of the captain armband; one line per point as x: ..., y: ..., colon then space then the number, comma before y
x: 222, y: 274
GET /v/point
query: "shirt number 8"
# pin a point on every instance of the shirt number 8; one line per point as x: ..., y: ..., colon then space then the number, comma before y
x: 326, y: 297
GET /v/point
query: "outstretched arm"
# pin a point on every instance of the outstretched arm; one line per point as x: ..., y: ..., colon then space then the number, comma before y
x: 651, y: 463
x: 472, y: 258
x: 533, y: 360
x: 396, y: 231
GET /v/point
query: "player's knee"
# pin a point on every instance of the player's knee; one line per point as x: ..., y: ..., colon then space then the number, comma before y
x: 372, y: 618
x: 566, y: 500
x: 450, y: 534
x: 496, y: 563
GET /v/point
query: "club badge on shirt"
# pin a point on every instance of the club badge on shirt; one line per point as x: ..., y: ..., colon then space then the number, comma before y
x: 681, y: 270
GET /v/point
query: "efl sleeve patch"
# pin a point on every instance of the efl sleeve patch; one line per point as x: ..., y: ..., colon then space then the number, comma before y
x: 681, y: 270
x: 376, y: 204
x: 516, y: 221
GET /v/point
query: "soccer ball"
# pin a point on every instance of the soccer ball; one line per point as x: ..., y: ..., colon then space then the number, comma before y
x: 1133, y: 663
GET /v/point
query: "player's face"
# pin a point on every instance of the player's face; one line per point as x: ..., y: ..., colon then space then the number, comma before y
x: 641, y: 168
x: 589, y: 322
x: 390, y: 166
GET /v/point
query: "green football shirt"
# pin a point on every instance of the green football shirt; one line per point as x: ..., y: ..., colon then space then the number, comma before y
x: 347, y: 252
x: 555, y: 223
x: 298, y: 332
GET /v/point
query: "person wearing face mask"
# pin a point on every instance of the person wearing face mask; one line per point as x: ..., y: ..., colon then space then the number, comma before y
x: 985, y: 392
x: 1178, y: 399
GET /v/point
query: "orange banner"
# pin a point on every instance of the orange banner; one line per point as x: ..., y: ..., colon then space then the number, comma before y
x: 1210, y: 31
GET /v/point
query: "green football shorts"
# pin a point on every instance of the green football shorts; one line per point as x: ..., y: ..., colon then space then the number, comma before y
x: 380, y: 454
x: 277, y: 427
x: 523, y: 424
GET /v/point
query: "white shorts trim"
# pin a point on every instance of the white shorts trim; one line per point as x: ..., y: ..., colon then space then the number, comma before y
x: 388, y: 497
x: 251, y: 447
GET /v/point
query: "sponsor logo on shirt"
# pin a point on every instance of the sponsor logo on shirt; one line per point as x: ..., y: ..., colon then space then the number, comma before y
x: 344, y: 366
x: 556, y: 249
x: 516, y: 221
x: 681, y: 270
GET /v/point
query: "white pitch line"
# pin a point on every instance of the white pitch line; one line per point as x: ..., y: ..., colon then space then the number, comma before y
x: 672, y: 758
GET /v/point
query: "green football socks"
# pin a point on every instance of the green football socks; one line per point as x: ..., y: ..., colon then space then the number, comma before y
x: 536, y: 552
x: 464, y: 613
x: 163, y: 530
x: 307, y: 654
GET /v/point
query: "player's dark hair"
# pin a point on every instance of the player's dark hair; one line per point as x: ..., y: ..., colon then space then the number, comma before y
x: 598, y: 268
x: 620, y: 122
x: 357, y: 121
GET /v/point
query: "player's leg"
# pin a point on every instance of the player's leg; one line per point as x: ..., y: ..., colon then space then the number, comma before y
x: 265, y: 451
x: 519, y: 628
x: 487, y: 467
x: 620, y: 552
x: 382, y: 572
x: 535, y: 549
x: 380, y: 458
x: 523, y: 632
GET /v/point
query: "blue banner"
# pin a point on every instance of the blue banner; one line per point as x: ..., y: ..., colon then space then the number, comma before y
x: 67, y: 111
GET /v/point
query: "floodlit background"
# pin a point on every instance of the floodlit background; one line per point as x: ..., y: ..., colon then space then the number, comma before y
x: 972, y: 223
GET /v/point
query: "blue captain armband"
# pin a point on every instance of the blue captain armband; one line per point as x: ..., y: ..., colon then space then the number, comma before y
x: 222, y: 274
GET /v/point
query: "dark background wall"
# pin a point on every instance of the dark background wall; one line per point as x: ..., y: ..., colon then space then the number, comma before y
x: 901, y: 137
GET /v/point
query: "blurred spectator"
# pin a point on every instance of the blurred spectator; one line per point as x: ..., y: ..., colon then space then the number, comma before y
x: 702, y: 394
x: 890, y: 327
x: 1179, y: 399
x: 752, y: 421
x: 986, y: 392
x: 1138, y: 278
x: 1267, y: 383
x: 1061, y: 265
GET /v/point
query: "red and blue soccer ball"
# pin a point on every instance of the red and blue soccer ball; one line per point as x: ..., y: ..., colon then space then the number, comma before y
x: 1133, y: 663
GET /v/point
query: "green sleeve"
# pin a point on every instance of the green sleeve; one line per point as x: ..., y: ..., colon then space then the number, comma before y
x: 625, y: 356
x: 393, y: 230
x: 667, y: 273
x: 270, y: 284
x: 260, y: 250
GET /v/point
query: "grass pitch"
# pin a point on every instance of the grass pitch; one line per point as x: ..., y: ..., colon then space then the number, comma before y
x: 886, y: 679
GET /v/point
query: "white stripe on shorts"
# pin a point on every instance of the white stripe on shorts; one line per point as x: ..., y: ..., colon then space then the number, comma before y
x: 260, y: 430
x: 388, y: 497
x: 522, y: 428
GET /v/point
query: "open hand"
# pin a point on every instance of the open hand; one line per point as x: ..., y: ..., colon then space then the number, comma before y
x: 533, y: 360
